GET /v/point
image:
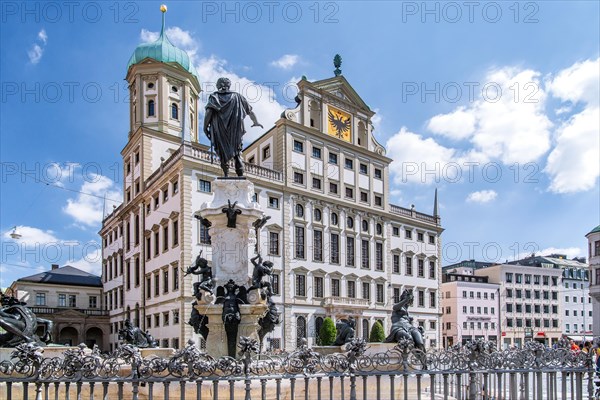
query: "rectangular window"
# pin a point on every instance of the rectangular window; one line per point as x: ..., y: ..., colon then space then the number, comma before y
x: 93, y: 302
x: 298, y: 146
x: 72, y: 300
x: 316, y: 183
x: 156, y: 284
x: 407, y: 234
x: 266, y: 152
x: 377, y: 173
x: 333, y: 158
x: 349, y: 193
x: 366, y: 290
x: 419, y: 237
x: 204, y: 186
x: 300, y: 242
x: 351, y: 289
x: 363, y: 169
x: 40, y: 299
x: 275, y: 284
x: 364, y: 197
x: 148, y: 287
x: 318, y: 245
x: 380, y: 296
x: 378, y: 201
x: 396, y: 295
x: 420, y: 268
x: 335, y: 287
x: 349, y: 163
x: 333, y: 188
x: 156, y: 243
x: 136, y: 272
x: 421, y: 298
x: 395, y: 231
x: 509, y: 277
x: 273, y: 202
x: 274, y: 243
x: 335, y: 248
x: 175, y: 233
x: 431, y: 239
x: 318, y: 281
x: 166, y: 238
x: 175, y: 187
x: 396, y: 263
x: 301, y: 285
x: 165, y: 281
x: 299, y: 178
x: 175, y: 278
x: 316, y: 152
x: 432, y: 270
x: 175, y: 318
x: 364, y: 250
x: 379, y: 256
x: 350, y: 251
x: 409, y: 266
x: 432, y: 299
x: 204, y: 235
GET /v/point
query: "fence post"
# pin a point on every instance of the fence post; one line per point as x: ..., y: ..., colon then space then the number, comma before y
x: 472, y: 386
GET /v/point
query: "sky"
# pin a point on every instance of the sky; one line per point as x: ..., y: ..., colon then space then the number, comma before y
x: 495, y: 104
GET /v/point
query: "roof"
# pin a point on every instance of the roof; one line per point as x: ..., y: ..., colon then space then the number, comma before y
x: 66, y: 275
x: 537, y: 260
x: 595, y: 230
x: 162, y: 50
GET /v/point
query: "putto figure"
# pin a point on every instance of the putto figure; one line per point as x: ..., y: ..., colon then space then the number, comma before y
x: 402, y: 327
x: 224, y: 124
x: 135, y: 336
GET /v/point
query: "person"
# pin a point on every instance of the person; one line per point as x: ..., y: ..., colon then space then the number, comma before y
x: 224, y: 124
x: 574, y: 346
x: 587, y: 346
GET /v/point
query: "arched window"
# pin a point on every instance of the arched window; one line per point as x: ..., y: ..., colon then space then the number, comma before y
x: 151, y: 108
x: 318, y: 325
x: 365, y: 225
x: 317, y: 214
x: 299, y: 211
x: 174, y: 111
x: 379, y: 229
x: 300, y: 330
x: 350, y: 222
x: 365, y: 329
x: 334, y: 219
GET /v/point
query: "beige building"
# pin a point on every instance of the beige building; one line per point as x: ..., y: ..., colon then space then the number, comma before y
x: 72, y: 300
x: 594, y: 256
x: 529, y: 303
x: 339, y: 247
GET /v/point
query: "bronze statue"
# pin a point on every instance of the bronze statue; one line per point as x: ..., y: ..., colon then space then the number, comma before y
x: 258, y: 225
x: 232, y: 213
x: 345, y: 331
x: 201, y: 268
x: 135, y: 336
x: 402, y: 327
x: 231, y: 315
x: 268, y: 321
x: 261, y: 269
x: 199, y: 321
x: 224, y: 124
x: 20, y: 323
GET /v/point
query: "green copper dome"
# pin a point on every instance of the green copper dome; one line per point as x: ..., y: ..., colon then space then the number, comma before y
x: 162, y: 50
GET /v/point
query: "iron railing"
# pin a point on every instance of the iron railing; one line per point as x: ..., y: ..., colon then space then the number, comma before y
x: 474, y: 371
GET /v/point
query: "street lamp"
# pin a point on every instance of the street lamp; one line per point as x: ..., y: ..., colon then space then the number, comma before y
x: 14, y: 234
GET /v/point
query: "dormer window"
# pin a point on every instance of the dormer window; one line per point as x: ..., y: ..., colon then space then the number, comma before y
x: 151, y: 108
x: 174, y: 111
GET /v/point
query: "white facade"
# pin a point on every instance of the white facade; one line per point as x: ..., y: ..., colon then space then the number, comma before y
x: 470, y: 308
x: 529, y: 301
x: 339, y: 247
x: 594, y: 268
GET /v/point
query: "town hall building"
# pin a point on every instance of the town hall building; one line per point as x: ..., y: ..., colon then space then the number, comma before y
x: 339, y: 247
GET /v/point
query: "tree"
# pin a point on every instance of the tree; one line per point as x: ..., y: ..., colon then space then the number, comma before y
x: 328, y: 332
x: 377, y: 334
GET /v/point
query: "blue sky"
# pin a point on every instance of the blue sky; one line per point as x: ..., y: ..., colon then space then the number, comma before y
x: 493, y: 88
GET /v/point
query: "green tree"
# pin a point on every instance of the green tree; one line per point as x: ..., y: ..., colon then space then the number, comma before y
x: 328, y: 332
x: 377, y: 334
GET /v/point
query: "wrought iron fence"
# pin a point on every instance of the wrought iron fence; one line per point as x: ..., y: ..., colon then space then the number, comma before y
x: 473, y: 371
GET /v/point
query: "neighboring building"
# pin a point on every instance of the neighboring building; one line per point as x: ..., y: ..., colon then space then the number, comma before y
x: 72, y: 300
x: 575, y: 302
x: 470, y: 307
x: 339, y: 247
x: 529, y: 301
x: 470, y: 264
x: 594, y: 268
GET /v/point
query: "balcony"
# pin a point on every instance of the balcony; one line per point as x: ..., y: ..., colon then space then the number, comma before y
x: 51, y: 310
x: 345, y: 302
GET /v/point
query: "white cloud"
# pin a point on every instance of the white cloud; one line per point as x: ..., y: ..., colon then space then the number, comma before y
x: 91, y: 262
x: 180, y: 38
x: 573, y: 164
x: 286, y: 61
x: 413, y: 156
x: 507, y: 123
x: 459, y: 124
x: 87, y: 207
x: 43, y: 36
x: 570, y: 252
x: 482, y: 196
x: 35, y: 54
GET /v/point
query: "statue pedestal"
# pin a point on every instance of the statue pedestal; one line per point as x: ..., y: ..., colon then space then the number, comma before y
x: 216, y: 343
x: 232, y: 247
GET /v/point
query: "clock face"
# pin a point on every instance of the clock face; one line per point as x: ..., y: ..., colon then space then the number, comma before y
x: 339, y: 124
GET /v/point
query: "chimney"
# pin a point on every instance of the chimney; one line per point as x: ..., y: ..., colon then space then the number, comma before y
x: 54, y: 266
